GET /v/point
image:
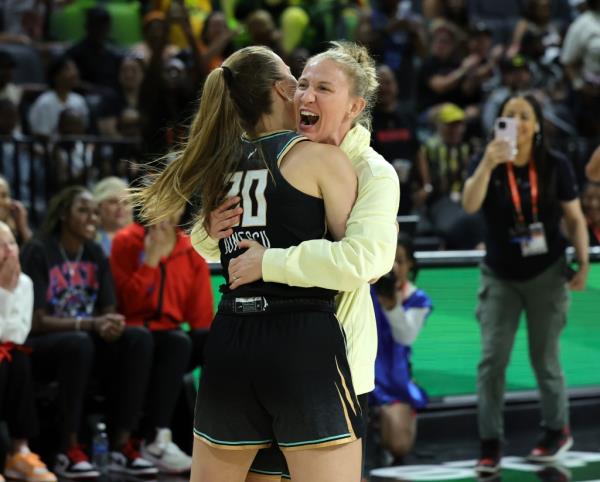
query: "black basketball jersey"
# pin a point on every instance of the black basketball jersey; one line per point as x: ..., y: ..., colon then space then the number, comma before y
x: 276, y: 214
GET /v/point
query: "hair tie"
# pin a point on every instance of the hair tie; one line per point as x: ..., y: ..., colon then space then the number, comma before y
x: 227, y: 75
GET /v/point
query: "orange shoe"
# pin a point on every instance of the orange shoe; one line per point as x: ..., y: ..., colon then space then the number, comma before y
x: 27, y: 466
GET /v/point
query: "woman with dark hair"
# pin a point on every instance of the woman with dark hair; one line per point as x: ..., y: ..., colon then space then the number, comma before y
x: 523, y: 196
x: 63, y: 77
x: 535, y: 32
x: 401, y: 310
x: 215, y: 40
x: 75, y: 327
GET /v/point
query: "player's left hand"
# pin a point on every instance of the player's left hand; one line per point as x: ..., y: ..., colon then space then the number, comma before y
x: 247, y: 267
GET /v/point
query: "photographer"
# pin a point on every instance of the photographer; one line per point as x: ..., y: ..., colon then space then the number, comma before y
x: 523, y: 191
x: 401, y: 311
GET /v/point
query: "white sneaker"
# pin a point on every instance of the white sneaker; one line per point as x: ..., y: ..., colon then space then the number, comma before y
x: 167, y: 456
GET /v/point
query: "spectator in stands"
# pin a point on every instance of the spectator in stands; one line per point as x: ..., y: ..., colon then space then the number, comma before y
x: 393, y: 132
x: 8, y: 89
x: 480, y: 79
x: 72, y: 158
x: 114, y: 210
x: 14, y: 154
x: 131, y: 75
x: 9, y: 132
x: 580, y: 56
x: 401, y: 310
x: 155, y: 28
x: 454, y: 11
x: 441, y: 76
x: 591, y: 207
x: 535, y: 32
x: 20, y: 22
x: 44, y: 114
x: 442, y: 165
x: 75, y: 327
x: 297, y: 60
x: 399, y: 38
x: 97, y: 62
x: 168, y: 93
x: 9, y: 122
x: 17, y: 407
x: 162, y: 283
x: 592, y: 169
x: 523, y: 197
x: 263, y: 31
x: 515, y: 77
x: 215, y: 41
x: 13, y: 214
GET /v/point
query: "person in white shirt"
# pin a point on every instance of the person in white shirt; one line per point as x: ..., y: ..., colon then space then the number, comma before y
x: 16, y: 391
x: 44, y: 114
x: 581, y: 57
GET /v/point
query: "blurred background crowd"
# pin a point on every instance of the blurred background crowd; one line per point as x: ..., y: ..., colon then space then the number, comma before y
x: 96, y: 88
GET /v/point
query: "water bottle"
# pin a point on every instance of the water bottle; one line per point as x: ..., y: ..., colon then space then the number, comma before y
x: 100, y: 447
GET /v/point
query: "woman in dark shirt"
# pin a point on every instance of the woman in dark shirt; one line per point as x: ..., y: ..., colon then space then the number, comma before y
x: 75, y: 329
x: 523, y: 196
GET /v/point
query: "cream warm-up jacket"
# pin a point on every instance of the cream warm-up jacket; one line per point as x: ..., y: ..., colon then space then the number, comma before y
x: 366, y: 252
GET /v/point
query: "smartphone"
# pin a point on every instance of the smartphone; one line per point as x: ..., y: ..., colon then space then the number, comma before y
x: 506, y: 129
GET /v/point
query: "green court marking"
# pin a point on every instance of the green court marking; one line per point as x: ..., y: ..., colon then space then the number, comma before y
x: 446, y: 354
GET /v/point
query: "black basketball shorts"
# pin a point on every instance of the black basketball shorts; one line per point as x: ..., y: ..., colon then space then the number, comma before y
x: 270, y: 463
x: 276, y: 379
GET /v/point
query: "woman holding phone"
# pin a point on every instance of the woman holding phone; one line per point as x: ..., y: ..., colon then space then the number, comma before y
x: 523, y: 194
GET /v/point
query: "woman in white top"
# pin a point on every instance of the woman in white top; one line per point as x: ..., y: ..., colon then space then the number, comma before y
x: 16, y: 391
x: 63, y: 77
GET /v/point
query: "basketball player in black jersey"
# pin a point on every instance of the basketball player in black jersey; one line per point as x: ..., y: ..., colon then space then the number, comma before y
x: 276, y: 370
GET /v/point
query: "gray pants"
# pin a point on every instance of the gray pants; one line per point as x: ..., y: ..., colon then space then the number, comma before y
x: 545, y: 300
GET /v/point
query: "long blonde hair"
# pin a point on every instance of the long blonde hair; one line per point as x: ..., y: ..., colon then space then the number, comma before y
x: 233, y: 100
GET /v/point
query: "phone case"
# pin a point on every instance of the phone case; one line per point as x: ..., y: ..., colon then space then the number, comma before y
x: 505, y: 128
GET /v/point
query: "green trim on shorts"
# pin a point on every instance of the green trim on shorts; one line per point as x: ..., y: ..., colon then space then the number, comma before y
x: 269, y: 472
x: 314, y: 442
x: 223, y: 442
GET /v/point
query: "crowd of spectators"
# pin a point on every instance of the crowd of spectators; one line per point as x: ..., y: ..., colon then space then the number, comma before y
x: 434, y: 53
x: 73, y: 112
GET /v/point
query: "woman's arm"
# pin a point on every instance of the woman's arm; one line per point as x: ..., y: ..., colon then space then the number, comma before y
x: 406, y: 324
x: 476, y: 185
x: 578, y: 235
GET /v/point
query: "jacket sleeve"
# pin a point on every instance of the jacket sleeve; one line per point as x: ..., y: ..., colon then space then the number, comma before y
x: 206, y: 246
x: 199, y: 309
x: 366, y: 252
x: 134, y: 282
